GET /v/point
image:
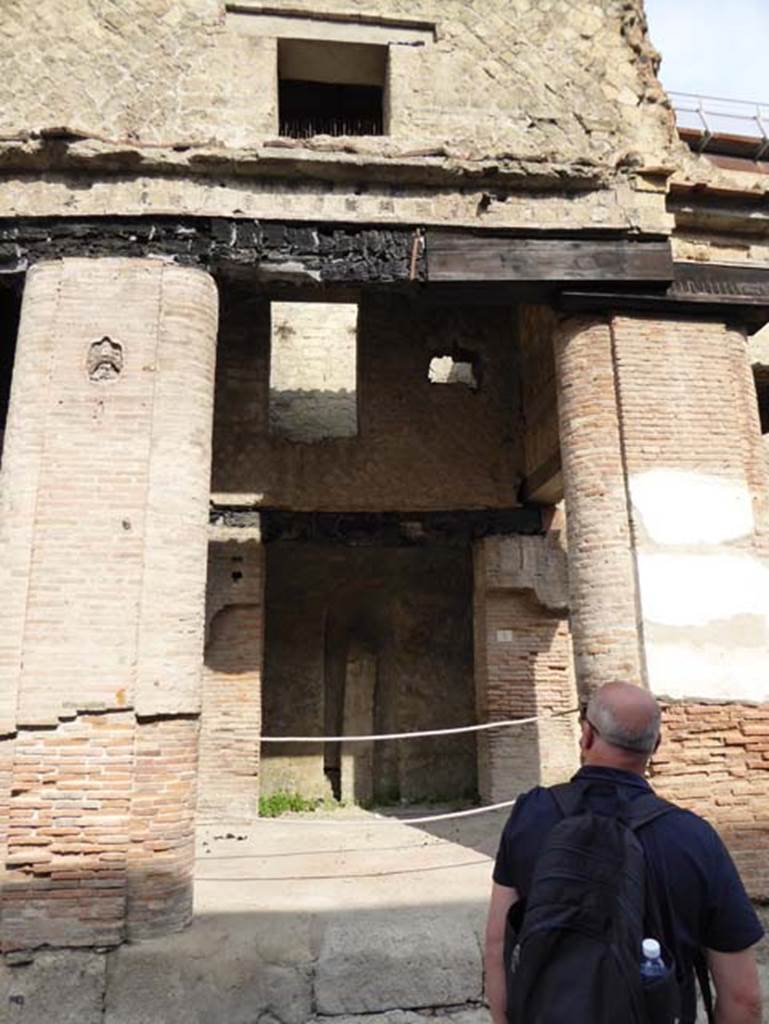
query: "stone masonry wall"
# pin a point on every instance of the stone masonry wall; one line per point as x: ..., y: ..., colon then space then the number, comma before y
x: 171, y: 72
x: 419, y: 445
x: 313, y: 370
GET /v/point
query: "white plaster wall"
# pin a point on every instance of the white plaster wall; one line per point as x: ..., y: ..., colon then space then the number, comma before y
x: 680, y: 507
x: 704, y: 600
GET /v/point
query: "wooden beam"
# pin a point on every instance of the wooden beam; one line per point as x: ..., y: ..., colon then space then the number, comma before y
x: 717, y: 282
x: 709, y: 290
x: 544, y: 485
x: 455, y: 256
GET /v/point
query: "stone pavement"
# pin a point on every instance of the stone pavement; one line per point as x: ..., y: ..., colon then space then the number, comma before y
x: 338, y: 918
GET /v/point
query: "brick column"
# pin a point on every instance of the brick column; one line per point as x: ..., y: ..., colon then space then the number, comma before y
x: 103, y: 535
x: 698, y: 485
x: 667, y: 505
x: 602, y: 583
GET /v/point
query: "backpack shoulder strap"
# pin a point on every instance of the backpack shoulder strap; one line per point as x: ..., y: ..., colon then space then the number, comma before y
x: 568, y: 797
x: 701, y: 970
x: 647, y: 808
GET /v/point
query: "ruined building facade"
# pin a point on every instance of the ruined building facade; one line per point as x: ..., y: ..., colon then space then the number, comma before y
x: 365, y: 367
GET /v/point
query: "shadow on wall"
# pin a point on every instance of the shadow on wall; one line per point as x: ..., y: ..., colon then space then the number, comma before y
x: 10, y: 311
x: 314, y: 415
x: 228, y: 757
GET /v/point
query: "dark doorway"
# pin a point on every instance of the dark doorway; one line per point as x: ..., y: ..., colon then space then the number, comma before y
x: 363, y: 640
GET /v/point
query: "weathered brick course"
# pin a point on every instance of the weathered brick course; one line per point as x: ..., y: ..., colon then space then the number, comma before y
x: 523, y: 668
x: 713, y: 761
x: 228, y: 770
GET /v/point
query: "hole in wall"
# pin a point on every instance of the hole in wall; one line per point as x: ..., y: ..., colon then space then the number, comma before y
x: 459, y: 368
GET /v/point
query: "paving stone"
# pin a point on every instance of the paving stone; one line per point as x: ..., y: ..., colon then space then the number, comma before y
x: 65, y: 987
x: 398, y: 959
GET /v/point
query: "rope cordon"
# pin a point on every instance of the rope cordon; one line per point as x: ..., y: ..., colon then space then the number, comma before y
x: 365, y: 822
x: 406, y: 735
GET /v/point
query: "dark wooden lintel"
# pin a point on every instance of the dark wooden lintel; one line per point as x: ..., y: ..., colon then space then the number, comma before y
x: 455, y: 256
x: 728, y: 293
x: 388, y: 529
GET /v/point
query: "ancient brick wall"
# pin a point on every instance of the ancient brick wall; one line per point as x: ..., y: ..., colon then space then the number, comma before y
x: 523, y: 664
x: 162, y: 849
x: 714, y: 760
x: 65, y: 873
x: 231, y: 720
x: 419, y: 445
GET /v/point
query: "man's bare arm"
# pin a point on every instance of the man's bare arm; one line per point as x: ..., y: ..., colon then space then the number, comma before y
x: 738, y: 991
x: 502, y: 898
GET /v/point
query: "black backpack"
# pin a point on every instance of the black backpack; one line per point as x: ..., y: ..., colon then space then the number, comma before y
x: 573, y: 951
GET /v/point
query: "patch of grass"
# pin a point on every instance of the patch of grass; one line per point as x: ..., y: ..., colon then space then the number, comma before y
x: 284, y: 803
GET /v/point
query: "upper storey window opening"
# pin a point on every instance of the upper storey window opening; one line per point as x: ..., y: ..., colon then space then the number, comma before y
x: 331, y: 88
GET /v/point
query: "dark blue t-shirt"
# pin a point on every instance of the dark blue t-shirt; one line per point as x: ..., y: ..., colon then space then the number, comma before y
x: 702, y: 900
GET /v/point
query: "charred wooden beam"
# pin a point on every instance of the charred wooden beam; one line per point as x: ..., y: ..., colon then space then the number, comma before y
x: 388, y: 529
x: 268, y: 252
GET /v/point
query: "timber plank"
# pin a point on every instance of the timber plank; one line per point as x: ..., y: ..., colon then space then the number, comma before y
x: 453, y: 256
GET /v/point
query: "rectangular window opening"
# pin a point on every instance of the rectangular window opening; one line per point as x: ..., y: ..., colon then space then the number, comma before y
x: 313, y: 371
x: 330, y: 88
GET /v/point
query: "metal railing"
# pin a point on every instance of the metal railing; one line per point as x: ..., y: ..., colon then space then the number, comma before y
x: 743, y: 121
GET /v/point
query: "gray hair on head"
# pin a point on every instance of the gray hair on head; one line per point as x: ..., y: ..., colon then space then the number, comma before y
x: 638, y: 734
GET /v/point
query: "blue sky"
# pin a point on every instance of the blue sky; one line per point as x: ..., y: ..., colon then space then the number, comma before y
x: 717, y: 47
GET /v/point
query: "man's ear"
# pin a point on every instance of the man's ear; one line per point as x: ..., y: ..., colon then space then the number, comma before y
x: 657, y: 744
x: 588, y: 736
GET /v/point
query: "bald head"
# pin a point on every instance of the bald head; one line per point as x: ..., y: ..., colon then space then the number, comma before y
x: 626, y: 717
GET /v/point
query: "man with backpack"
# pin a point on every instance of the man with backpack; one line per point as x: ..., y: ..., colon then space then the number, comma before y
x: 588, y: 870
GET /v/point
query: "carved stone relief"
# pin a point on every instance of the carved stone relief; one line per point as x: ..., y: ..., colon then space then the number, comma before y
x: 105, y: 360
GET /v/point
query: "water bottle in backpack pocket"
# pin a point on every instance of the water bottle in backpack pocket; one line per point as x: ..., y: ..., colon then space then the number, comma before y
x: 660, y: 987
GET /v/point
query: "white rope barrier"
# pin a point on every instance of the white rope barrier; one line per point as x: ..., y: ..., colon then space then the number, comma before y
x: 403, y: 735
x: 383, y: 820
